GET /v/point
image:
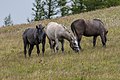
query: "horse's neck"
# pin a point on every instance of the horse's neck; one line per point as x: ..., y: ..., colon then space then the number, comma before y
x: 67, y: 36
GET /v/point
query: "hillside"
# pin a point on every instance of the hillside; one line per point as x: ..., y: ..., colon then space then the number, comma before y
x: 90, y: 64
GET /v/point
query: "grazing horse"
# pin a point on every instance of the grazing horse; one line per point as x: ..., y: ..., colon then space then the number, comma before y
x: 89, y: 28
x: 34, y: 36
x: 57, y: 32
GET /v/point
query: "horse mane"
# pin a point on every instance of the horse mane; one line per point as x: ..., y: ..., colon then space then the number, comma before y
x: 99, y: 20
x: 68, y: 31
x: 66, y: 28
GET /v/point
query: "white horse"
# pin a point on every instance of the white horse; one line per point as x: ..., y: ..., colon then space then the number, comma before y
x: 57, y: 32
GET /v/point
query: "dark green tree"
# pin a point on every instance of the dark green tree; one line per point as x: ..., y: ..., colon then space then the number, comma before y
x: 8, y: 21
x: 98, y: 4
x: 77, y: 6
x: 38, y: 8
x: 110, y: 3
x: 93, y: 4
x: 64, y: 9
x: 50, y: 8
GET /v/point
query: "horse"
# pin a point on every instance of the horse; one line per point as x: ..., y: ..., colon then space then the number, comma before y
x: 57, y: 33
x: 34, y: 36
x: 89, y: 28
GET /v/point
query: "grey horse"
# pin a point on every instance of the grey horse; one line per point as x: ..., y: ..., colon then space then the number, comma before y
x: 57, y: 33
x: 89, y: 28
x: 34, y: 36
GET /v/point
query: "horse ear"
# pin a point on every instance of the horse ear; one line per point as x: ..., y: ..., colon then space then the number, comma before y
x: 36, y: 26
x: 43, y: 27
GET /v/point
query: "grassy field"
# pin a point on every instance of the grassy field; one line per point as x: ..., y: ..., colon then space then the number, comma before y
x: 90, y: 64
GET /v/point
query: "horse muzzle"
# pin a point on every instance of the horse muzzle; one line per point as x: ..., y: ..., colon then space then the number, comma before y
x: 76, y: 49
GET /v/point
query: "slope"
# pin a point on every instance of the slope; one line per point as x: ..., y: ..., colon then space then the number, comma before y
x: 90, y: 64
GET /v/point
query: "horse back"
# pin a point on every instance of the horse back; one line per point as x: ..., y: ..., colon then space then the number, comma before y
x: 94, y: 27
x: 53, y: 29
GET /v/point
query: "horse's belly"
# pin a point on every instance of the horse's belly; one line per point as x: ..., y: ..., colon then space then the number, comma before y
x: 90, y: 34
x: 51, y: 36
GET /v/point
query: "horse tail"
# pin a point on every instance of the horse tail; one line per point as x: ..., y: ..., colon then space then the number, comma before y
x: 26, y: 42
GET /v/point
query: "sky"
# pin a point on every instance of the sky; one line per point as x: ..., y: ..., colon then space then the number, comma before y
x: 20, y: 10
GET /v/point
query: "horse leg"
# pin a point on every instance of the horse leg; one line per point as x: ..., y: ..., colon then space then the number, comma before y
x: 57, y: 45
x: 62, y: 44
x: 30, y: 49
x: 94, y: 41
x: 25, y: 51
x: 50, y: 43
x: 53, y: 45
x: 43, y: 48
x: 38, y: 50
x: 25, y: 45
x: 79, y: 40
x: 103, y: 40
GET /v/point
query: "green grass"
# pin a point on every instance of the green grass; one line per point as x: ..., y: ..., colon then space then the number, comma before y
x: 90, y: 64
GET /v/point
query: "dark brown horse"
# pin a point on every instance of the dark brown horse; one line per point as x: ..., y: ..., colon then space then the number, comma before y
x: 34, y: 36
x: 89, y: 28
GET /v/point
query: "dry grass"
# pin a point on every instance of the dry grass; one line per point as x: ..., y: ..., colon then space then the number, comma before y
x: 91, y: 64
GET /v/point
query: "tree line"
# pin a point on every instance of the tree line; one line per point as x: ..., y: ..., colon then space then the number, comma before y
x: 46, y: 9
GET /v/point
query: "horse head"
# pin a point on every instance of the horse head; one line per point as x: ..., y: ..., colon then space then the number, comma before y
x: 74, y: 44
x: 72, y: 40
x: 40, y: 32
